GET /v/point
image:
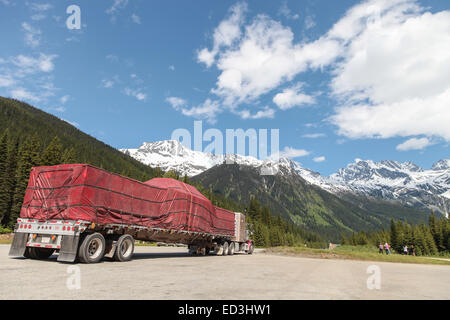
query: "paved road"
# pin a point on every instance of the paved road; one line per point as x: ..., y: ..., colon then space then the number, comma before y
x: 169, y: 273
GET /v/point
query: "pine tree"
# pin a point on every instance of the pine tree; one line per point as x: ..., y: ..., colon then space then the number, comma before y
x: 3, y: 176
x: 53, y: 154
x: 69, y: 156
x: 8, y: 185
x: 28, y: 158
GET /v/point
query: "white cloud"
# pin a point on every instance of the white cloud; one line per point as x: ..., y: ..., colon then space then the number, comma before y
x: 115, y: 9
x: 207, y: 110
x: 314, y: 135
x: 394, y: 78
x: 64, y: 99
x: 309, y: 22
x: 24, y: 95
x: 6, y: 81
x: 176, y: 102
x: 414, y: 144
x: 172, y: 68
x: 107, y: 83
x: 38, y: 17
x: 137, y: 93
x: 136, y: 18
x: 29, y: 65
x: 319, y: 159
x: 225, y: 34
x: 289, y: 152
x: 261, y: 58
x: 40, y: 6
x: 32, y: 35
x: 266, y: 112
x: 388, y: 59
x: 286, y: 12
x: 292, y: 97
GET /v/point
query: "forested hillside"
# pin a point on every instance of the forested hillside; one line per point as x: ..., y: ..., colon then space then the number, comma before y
x: 31, y: 137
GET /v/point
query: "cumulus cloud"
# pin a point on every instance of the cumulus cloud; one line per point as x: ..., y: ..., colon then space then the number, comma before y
x: 176, y: 102
x: 394, y: 78
x: 225, y: 34
x: 208, y: 110
x: 289, y: 152
x: 292, y: 97
x: 388, y: 61
x: 414, y: 144
x: 319, y: 159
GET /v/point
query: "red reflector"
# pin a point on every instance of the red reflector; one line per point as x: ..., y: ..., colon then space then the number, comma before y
x: 20, y: 226
x: 29, y: 226
x: 64, y: 228
x: 73, y: 228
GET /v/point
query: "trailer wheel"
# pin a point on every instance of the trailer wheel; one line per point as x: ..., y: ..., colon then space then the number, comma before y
x: 231, y: 248
x: 40, y: 253
x: 92, y: 248
x: 225, y: 248
x: 124, y: 248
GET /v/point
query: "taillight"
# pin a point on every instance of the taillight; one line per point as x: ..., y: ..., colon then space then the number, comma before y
x: 29, y: 226
x: 64, y: 228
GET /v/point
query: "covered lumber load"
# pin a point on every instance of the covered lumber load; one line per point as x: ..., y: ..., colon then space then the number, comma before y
x: 84, y: 192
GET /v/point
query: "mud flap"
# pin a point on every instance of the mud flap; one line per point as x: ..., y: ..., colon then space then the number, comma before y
x: 19, y: 244
x: 69, y: 248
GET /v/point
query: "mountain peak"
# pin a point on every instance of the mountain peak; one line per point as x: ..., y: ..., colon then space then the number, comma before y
x: 442, y: 164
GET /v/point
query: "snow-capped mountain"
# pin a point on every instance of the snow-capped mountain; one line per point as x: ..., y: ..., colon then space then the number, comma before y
x: 172, y: 155
x: 390, y: 180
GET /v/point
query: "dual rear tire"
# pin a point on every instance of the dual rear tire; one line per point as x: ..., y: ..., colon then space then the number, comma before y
x: 92, y: 248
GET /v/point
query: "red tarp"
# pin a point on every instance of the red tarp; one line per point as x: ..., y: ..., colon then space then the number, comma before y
x: 84, y: 192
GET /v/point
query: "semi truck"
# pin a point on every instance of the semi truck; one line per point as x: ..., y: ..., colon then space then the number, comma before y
x: 85, y: 213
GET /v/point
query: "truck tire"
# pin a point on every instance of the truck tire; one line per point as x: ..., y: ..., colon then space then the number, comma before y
x: 225, y: 248
x: 231, y: 248
x: 40, y: 253
x: 92, y: 248
x: 124, y: 248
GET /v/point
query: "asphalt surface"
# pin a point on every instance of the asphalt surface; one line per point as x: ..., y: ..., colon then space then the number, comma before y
x: 170, y: 273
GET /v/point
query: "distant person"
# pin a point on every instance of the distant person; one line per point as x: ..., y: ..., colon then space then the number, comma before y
x: 386, y: 248
x: 380, y: 248
x: 412, y: 250
x: 405, y: 250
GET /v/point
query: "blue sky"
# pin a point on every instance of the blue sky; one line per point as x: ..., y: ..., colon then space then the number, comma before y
x: 340, y: 79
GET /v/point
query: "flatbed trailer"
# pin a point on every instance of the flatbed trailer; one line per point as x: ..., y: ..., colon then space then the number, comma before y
x: 85, y: 214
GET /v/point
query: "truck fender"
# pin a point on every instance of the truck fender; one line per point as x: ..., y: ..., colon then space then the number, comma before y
x: 19, y: 244
x: 69, y: 248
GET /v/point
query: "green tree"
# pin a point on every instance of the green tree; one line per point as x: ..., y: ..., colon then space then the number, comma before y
x: 7, y: 186
x: 53, y: 154
x: 28, y: 158
x: 69, y: 156
x: 171, y: 174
